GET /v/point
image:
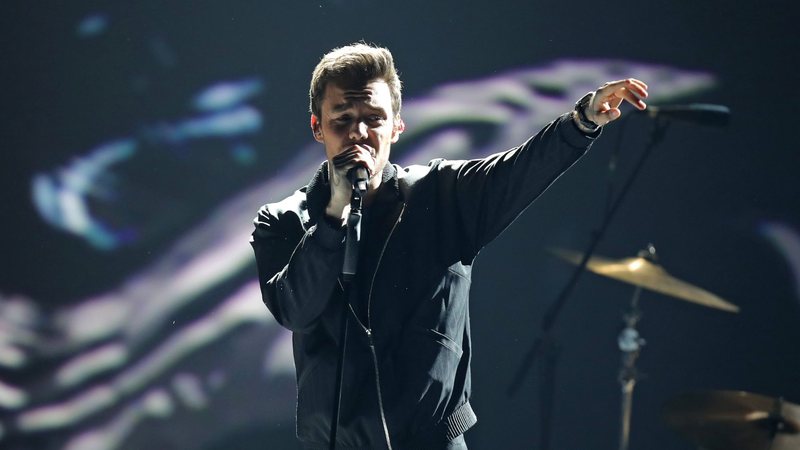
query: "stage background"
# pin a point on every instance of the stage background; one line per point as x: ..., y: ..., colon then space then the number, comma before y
x: 140, y: 139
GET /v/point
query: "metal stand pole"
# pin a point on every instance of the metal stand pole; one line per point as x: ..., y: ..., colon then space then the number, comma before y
x: 553, y: 311
x: 348, y: 275
x: 630, y: 344
x: 547, y: 396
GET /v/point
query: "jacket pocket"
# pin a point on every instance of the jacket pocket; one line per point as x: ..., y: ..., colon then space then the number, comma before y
x: 425, y: 372
x: 313, y: 401
x: 445, y: 341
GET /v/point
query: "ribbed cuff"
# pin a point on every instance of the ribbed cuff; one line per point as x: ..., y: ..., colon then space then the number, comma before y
x: 460, y: 421
x: 327, y: 236
x: 573, y: 135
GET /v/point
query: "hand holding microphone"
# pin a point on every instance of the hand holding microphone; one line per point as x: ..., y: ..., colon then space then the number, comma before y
x: 357, y: 164
x: 350, y: 169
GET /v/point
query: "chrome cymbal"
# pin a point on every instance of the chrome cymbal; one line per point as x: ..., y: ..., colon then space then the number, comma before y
x: 735, y: 420
x: 642, y: 272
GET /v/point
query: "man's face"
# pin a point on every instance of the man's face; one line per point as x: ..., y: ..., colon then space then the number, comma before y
x: 360, y: 116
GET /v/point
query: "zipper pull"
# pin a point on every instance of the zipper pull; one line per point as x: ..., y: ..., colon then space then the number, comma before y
x: 369, y: 337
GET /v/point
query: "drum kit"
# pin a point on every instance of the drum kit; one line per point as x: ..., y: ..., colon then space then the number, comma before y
x: 711, y: 420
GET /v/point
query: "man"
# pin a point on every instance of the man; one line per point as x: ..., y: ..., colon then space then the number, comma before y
x: 406, y: 377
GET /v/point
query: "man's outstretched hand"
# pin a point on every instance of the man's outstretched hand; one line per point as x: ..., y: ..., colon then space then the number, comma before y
x: 604, y: 105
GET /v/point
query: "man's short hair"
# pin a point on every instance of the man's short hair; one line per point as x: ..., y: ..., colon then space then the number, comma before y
x: 354, y: 66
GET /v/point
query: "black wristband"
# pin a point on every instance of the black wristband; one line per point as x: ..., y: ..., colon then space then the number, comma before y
x: 580, y: 110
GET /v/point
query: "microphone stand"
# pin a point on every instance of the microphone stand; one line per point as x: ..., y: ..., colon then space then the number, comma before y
x: 545, y: 338
x: 348, y: 276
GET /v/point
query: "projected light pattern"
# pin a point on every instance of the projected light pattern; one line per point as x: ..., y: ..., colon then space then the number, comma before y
x: 239, y: 309
x: 227, y: 94
x: 19, y: 321
x: 187, y: 339
x: 92, y: 25
x: 71, y: 197
x: 225, y: 124
x: 63, y: 198
x: 786, y: 241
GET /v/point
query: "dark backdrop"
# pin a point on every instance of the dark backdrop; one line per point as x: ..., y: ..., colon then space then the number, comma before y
x: 720, y: 205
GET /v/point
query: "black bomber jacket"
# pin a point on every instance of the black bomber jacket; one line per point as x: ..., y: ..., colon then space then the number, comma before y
x: 408, y: 349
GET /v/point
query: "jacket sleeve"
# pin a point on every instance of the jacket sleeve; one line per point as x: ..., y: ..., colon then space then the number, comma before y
x: 489, y: 193
x: 297, y: 270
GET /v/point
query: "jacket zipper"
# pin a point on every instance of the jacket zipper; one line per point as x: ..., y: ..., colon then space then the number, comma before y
x: 368, y: 331
x: 368, y: 327
x: 378, y: 265
x: 378, y: 390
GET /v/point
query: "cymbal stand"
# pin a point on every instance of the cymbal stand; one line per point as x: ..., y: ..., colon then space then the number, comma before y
x: 630, y: 344
x: 553, y: 311
x: 775, y: 422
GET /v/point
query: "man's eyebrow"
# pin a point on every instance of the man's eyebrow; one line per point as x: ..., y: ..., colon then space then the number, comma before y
x: 350, y: 97
x: 342, y: 106
x: 349, y: 104
x: 357, y: 94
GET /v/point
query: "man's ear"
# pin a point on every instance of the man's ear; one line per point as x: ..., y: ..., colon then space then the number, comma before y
x: 399, y: 127
x: 316, y: 128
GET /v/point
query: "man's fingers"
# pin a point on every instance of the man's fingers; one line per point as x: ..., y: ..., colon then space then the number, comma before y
x: 344, y: 159
x: 631, y: 97
x: 609, y: 115
x: 352, y: 154
x: 352, y: 157
x: 637, y: 86
x: 605, y: 113
x: 629, y: 90
x: 639, y: 89
x: 607, y: 99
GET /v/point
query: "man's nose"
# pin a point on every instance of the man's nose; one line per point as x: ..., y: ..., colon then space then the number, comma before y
x: 358, y: 131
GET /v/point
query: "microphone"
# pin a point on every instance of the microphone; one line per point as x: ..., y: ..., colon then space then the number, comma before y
x: 358, y: 177
x: 698, y: 113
